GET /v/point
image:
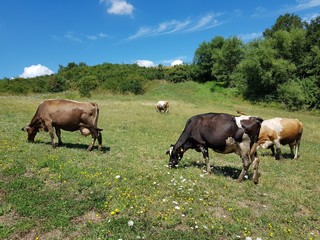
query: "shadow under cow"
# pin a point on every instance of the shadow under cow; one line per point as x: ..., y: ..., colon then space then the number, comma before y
x: 226, y: 171
x: 75, y: 146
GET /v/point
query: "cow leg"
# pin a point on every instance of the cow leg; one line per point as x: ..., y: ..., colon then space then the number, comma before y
x: 297, y: 149
x: 292, y: 148
x: 92, y: 143
x: 58, y: 133
x: 50, y: 130
x: 255, y: 165
x: 245, y: 166
x: 245, y: 153
x: 99, y: 140
x: 278, y: 154
x: 205, y: 154
x: 272, y: 150
x: 278, y: 150
x: 94, y: 135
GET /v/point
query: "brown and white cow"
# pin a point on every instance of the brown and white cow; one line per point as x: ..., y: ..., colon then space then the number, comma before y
x: 281, y: 131
x: 67, y: 115
x: 162, y: 106
x: 223, y: 133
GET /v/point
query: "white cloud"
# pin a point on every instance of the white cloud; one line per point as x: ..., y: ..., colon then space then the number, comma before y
x: 145, y: 63
x: 72, y: 36
x: 118, y: 7
x: 176, y: 62
x: 97, y: 36
x: 190, y: 25
x: 259, y: 11
x: 250, y: 36
x: 35, y: 70
x: 307, y: 4
x: 310, y: 17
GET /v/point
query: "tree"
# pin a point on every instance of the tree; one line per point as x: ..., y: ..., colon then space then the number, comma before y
x: 203, y: 60
x: 260, y: 72
x: 290, y: 46
x: 226, y: 60
x: 313, y: 33
x: 285, y: 22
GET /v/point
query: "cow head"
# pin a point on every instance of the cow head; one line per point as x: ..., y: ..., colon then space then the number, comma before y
x: 175, y: 155
x: 32, y: 132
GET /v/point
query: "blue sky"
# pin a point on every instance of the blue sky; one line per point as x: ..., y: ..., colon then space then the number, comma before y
x: 37, y: 36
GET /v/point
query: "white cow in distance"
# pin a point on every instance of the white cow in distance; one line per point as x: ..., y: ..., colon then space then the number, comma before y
x: 162, y: 106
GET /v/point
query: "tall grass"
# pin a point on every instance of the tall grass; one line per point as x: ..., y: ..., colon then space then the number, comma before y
x: 128, y: 192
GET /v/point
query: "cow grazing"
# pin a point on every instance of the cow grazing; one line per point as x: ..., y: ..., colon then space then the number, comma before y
x: 281, y: 131
x: 223, y: 133
x: 67, y: 115
x: 162, y: 106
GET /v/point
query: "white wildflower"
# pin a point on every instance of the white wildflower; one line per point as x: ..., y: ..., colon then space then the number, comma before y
x: 130, y: 223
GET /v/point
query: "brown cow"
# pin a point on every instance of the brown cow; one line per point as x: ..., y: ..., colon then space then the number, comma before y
x: 281, y: 131
x: 162, y: 106
x: 67, y: 115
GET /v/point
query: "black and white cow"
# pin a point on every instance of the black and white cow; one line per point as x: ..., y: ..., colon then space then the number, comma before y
x: 223, y: 133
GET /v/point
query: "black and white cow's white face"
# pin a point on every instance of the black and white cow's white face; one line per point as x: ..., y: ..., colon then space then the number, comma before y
x: 175, y: 155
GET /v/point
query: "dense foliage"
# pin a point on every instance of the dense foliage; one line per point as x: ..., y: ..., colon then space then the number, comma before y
x: 282, y: 67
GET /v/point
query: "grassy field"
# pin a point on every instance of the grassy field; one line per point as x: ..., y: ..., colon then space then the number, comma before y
x: 128, y: 192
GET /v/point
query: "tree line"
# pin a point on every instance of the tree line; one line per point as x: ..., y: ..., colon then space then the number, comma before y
x: 283, y: 66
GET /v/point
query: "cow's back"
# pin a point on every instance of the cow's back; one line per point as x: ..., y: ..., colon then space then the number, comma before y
x: 68, y: 113
x: 213, y: 129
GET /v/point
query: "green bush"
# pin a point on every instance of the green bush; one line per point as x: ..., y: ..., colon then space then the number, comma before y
x: 134, y: 86
x: 292, y: 95
x: 56, y: 84
x: 86, y: 85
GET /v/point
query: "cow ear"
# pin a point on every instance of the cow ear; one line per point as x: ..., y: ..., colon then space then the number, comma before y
x: 168, y: 152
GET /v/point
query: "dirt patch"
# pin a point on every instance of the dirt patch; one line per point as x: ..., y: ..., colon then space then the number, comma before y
x: 302, y: 211
x: 181, y: 227
x: 9, y: 219
x: 2, y: 194
x: 218, y: 212
x: 92, y: 217
x: 256, y: 207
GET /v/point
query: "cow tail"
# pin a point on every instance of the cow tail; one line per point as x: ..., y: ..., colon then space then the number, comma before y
x: 96, y: 117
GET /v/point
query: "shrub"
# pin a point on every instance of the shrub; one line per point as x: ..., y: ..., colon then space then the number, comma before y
x: 292, y: 95
x: 86, y: 85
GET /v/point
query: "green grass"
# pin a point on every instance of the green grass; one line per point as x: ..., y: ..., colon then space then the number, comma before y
x: 69, y: 193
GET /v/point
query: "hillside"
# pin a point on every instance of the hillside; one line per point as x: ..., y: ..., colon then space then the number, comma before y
x: 128, y: 192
